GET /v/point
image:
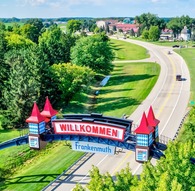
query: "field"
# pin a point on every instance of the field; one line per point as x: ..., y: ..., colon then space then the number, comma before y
x: 127, y: 51
x: 11, y: 24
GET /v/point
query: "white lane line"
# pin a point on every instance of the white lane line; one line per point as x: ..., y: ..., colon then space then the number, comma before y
x: 182, y: 61
x: 96, y: 165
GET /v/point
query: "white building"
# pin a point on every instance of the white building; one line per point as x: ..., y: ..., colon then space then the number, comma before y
x: 185, y: 34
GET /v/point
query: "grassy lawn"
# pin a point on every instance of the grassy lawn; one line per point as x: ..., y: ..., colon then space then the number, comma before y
x: 189, y: 56
x: 127, y: 51
x: 10, y: 134
x: 42, y: 169
x: 129, y: 85
x: 11, y: 24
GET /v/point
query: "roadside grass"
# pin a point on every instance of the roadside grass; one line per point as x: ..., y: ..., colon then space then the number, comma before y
x: 166, y: 43
x: 42, y: 169
x: 128, y: 51
x: 129, y: 85
x: 10, y: 134
x: 180, y: 43
x: 189, y: 56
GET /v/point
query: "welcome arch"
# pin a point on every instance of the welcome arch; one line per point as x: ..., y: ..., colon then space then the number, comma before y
x: 93, y: 133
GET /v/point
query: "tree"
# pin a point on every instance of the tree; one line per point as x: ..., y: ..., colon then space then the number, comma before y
x: 131, y: 32
x: 154, y: 33
x: 175, y: 25
x: 22, y: 86
x: 69, y: 79
x: 16, y: 41
x: 2, y: 27
x: 93, y: 52
x: 55, y: 45
x: 73, y: 25
x: 114, y: 28
x: 3, y: 67
x: 148, y: 20
x: 34, y: 29
x: 145, y: 34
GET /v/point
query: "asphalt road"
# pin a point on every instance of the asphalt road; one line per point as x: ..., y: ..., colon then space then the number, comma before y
x: 169, y: 99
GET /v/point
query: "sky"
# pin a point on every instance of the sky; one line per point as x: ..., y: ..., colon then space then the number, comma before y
x: 95, y: 8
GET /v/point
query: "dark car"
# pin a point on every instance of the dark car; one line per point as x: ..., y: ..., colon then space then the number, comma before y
x: 178, y: 77
x: 175, y: 46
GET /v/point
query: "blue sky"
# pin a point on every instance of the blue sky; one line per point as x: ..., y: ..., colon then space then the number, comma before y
x: 94, y: 8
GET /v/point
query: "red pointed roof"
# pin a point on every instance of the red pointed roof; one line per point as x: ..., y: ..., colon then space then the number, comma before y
x: 35, y: 117
x: 144, y: 127
x: 151, y: 118
x: 48, y: 110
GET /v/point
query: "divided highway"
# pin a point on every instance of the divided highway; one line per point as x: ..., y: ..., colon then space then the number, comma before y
x: 169, y: 99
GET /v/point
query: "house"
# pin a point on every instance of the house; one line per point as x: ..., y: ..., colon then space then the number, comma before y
x: 185, y: 34
x: 124, y: 27
x: 166, y: 34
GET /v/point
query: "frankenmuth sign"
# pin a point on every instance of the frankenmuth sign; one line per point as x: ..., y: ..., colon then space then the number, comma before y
x: 93, y: 147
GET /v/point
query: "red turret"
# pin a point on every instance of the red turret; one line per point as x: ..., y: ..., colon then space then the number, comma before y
x: 151, y: 118
x: 35, y: 117
x: 144, y: 127
x: 48, y: 110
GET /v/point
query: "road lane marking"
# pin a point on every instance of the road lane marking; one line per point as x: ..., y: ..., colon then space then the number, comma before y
x: 171, y: 89
x: 121, y: 163
x: 182, y: 61
x: 96, y: 165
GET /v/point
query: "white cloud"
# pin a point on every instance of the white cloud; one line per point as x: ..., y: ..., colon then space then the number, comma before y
x: 35, y: 2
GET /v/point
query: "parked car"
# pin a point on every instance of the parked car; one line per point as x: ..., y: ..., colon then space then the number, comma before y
x: 175, y: 46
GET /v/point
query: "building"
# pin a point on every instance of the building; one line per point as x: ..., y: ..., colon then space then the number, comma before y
x: 166, y: 34
x: 125, y: 28
x: 185, y: 34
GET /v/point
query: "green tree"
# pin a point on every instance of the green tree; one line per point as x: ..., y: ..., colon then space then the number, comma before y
x: 125, y: 180
x: 148, y: 20
x: 16, y: 41
x: 69, y: 79
x: 22, y: 86
x: 55, y: 45
x: 145, y: 34
x: 73, y: 26
x: 175, y: 25
x: 3, y: 67
x: 16, y: 28
x: 93, y: 52
x: 33, y: 29
x: 2, y: 27
x: 154, y: 33
x: 131, y: 32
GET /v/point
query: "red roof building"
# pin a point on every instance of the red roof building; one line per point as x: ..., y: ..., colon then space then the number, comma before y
x: 144, y: 127
x: 125, y: 27
x: 36, y: 116
x: 151, y: 118
x: 48, y: 110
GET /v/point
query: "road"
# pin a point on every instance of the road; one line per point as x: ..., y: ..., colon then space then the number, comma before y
x: 169, y: 99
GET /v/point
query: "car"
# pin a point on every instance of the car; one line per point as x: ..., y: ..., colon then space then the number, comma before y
x: 175, y: 46
x: 178, y: 77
